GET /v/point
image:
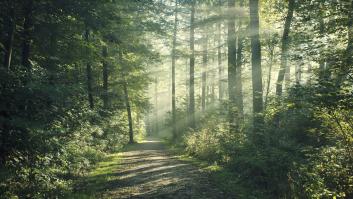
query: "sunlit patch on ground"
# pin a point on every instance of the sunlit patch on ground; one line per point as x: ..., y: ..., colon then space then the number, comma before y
x: 148, y: 170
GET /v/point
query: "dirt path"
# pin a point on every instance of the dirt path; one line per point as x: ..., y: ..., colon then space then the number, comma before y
x: 148, y: 170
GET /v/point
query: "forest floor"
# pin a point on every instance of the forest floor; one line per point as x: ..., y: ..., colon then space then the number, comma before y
x: 149, y: 170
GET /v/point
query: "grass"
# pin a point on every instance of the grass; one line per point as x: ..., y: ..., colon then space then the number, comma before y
x: 92, y: 185
x: 221, y: 177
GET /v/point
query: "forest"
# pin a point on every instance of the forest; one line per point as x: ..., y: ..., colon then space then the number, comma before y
x: 176, y: 99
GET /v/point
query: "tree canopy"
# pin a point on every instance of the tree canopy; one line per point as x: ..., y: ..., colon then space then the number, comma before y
x: 260, y: 88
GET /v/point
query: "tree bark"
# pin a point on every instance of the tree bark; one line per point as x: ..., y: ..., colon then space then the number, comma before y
x: 129, y: 114
x: 192, y: 67
x: 156, y: 104
x: 219, y: 59
x: 11, y: 28
x: 284, y: 69
x: 105, y: 77
x: 349, y: 50
x: 256, y: 66
x: 271, y: 48
x: 27, y: 34
x: 173, y: 71
x: 232, y: 67
x: 204, y: 70
x: 238, y: 78
x: 298, y: 72
x: 89, y: 74
x: 322, y: 69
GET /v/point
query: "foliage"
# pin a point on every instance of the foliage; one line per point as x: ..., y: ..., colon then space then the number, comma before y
x: 50, y: 134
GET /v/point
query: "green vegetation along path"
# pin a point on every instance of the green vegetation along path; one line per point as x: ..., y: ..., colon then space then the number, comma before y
x: 149, y: 170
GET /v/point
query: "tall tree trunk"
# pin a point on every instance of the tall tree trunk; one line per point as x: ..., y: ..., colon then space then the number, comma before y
x: 10, y: 32
x: 105, y: 77
x: 219, y: 54
x: 187, y: 82
x: 219, y: 59
x: 27, y: 34
x: 310, y: 73
x: 204, y: 71
x: 156, y: 104
x: 129, y: 114
x: 186, y: 119
x: 322, y: 64
x: 285, y: 46
x: 232, y: 67
x: 349, y: 50
x: 89, y: 74
x: 348, y: 59
x: 173, y: 71
x: 298, y: 72
x: 256, y: 66
x: 192, y: 67
x: 127, y: 99
x: 269, y: 75
x: 238, y: 77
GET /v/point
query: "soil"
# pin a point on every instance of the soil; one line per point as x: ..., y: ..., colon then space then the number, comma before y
x: 149, y: 170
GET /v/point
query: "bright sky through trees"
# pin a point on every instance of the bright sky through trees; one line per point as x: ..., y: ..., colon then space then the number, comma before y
x: 105, y: 98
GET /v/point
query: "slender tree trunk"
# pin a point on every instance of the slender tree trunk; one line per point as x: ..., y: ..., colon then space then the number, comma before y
x: 11, y: 28
x: 285, y: 46
x: 322, y: 62
x: 192, y: 67
x: 105, y: 77
x: 187, y: 93
x: 238, y: 78
x: 219, y: 59
x: 77, y: 73
x: 287, y: 77
x: 204, y: 71
x: 89, y: 75
x: 219, y: 55
x: 256, y: 66
x: 269, y: 75
x: 173, y: 71
x: 348, y: 59
x: 298, y: 72
x: 213, y: 75
x: 232, y: 67
x: 129, y: 114
x: 309, y: 73
x: 127, y: 100
x: 187, y: 82
x: 213, y: 93
x: 27, y: 34
x: 156, y: 104
x: 349, y: 50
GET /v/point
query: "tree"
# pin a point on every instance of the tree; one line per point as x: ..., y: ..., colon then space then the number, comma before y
x: 204, y: 68
x: 238, y: 78
x: 232, y: 66
x: 105, y: 77
x: 219, y: 61
x: 349, y: 50
x: 285, y: 45
x: 129, y: 113
x: 27, y: 33
x: 192, y: 67
x: 10, y: 29
x: 173, y: 70
x: 89, y: 73
x: 256, y: 66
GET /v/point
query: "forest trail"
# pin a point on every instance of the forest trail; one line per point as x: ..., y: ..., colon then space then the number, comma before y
x: 149, y: 170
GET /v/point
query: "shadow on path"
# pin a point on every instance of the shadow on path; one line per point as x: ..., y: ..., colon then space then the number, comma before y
x: 148, y: 170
